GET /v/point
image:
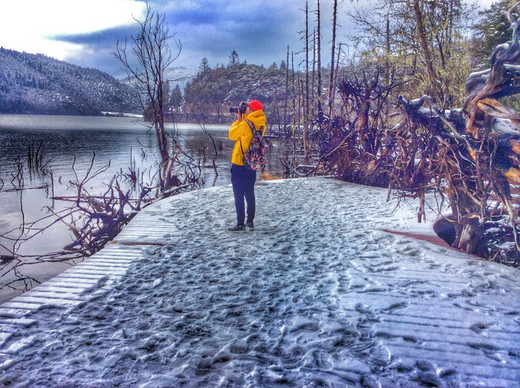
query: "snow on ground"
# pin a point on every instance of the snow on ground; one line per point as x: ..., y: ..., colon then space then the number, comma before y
x: 317, y: 295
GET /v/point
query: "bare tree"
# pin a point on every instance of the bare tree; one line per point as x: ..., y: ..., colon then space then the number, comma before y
x: 471, y: 156
x: 95, y: 219
x: 306, y: 97
x: 468, y: 159
x: 333, y: 52
x: 146, y: 67
x: 318, y: 37
x: 286, y: 102
x: 423, y: 41
x: 430, y: 55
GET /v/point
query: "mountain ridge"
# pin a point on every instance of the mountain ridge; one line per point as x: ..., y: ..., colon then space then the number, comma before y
x: 37, y: 84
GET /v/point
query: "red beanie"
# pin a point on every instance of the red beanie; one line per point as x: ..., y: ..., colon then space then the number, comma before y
x: 255, y: 105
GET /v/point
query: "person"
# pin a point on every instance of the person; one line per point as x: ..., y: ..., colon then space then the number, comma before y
x: 243, y: 179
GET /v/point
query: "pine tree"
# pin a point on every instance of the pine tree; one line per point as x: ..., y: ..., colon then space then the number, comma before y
x: 204, y: 65
x: 176, y: 99
x: 233, y: 59
x: 493, y: 29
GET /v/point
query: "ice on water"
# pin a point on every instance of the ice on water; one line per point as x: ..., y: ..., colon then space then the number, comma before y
x: 317, y: 295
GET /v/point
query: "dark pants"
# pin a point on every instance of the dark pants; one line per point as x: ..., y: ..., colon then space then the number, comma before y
x: 243, y: 181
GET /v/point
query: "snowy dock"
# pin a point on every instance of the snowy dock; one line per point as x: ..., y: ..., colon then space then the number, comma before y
x: 318, y: 294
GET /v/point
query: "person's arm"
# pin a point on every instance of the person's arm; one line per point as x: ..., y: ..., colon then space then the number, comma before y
x: 237, y: 130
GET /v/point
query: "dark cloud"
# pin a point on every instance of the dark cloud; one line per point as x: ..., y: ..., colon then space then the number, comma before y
x: 99, y: 47
x: 258, y: 30
x: 102, y: 38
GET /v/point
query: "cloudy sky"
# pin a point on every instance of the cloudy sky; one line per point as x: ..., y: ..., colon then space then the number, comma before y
x: 85, y: 32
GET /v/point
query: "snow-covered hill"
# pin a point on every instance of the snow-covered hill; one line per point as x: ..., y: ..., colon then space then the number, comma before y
x: 32, y: 83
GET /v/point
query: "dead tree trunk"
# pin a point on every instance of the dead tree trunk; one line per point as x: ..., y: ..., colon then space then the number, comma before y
x: 318, y: 37
x: 152, y: 56
x: 286, y: 104
x: 480, y: 171
x: 332, y: 57
x: 428, y: 57
x: 313, y: 77
x: 306, y: 95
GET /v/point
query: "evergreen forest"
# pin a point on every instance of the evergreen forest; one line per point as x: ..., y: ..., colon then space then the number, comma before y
x: 37, y: 84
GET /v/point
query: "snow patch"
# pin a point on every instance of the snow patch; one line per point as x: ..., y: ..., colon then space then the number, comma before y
x: 318, y: 294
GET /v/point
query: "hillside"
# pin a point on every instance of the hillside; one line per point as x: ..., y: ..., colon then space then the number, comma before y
x: 35, y: 84
x: 216, y: 89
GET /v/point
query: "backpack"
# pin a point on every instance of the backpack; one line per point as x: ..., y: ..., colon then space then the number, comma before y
x: 254, y: 159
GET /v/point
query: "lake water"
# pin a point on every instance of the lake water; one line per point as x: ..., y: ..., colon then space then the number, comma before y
x: 114, y: 139
x: 72, y: 141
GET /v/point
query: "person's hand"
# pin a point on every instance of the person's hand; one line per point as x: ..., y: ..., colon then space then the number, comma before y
x: 241, y: 116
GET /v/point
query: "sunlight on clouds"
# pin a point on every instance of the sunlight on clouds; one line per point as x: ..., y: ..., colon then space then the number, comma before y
x: 51, y: 48
x: 29, y: 25
x: 210, y: 28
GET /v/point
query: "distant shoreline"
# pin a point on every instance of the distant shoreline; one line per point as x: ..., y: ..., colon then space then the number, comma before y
x: 103, y: 114
x: 184, y: 118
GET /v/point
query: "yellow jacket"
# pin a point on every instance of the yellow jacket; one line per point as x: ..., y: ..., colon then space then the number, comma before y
x: 240, y: 132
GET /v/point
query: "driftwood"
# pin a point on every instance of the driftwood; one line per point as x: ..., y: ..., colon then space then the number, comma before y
x: 468, y: 157
x: 474, y: 155
x: 355, y: 145
x: 93, y: 219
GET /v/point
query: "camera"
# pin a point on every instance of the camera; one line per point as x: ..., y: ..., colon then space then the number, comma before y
x: 235, y: 109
